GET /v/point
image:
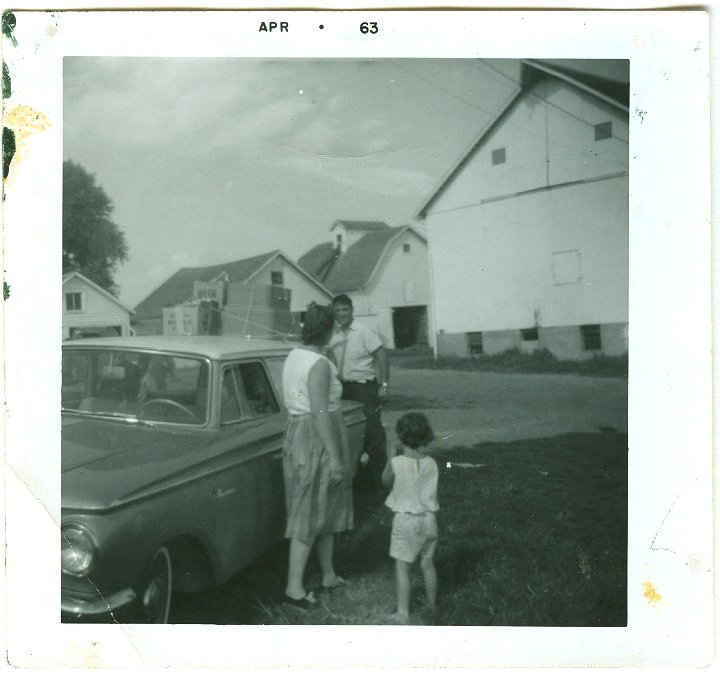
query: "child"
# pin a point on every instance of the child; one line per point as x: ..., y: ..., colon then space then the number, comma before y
x: 413, y: 476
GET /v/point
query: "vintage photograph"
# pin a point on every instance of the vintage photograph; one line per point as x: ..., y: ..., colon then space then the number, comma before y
x: 348, y: 339
x: 345, y: 341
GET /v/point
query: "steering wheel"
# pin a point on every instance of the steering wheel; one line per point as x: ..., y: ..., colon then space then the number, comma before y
x: 168, y: 402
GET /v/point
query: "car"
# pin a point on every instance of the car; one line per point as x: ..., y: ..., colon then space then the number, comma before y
x: 171, y: 468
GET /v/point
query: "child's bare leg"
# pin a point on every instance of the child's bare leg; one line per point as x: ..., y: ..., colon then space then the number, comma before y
x: 402, y: 581
x: 430, y: 575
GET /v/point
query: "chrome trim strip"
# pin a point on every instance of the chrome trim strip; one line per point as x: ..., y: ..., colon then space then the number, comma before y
x: 105, y: 604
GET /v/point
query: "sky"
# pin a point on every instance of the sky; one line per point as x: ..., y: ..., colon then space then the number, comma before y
x: 209, y: 160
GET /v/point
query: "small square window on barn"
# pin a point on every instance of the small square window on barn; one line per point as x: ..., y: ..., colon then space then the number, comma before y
x: 603, y: 131
x: 498, y: 156
x: 529, y: 334
x: 590, y: 334
x: 276, y: 278
x: 475, y: 342
x: 406, y: 248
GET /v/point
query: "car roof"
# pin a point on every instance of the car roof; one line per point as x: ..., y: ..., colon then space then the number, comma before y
x: 213, y: 347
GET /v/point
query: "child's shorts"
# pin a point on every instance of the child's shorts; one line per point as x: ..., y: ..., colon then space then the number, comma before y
x: 413, y: 534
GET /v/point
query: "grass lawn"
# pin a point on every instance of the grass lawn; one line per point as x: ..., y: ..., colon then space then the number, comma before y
x: 532, y: 533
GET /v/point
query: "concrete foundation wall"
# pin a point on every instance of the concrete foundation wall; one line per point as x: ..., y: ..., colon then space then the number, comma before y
x: 452, y: 345
x: 495, y: 342
x: 565, y: 342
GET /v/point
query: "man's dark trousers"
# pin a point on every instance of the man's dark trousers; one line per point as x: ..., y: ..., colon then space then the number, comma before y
x: 375, y: 438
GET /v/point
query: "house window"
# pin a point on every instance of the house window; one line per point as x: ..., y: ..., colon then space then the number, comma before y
x: 73, y: 302
x: 475, y: 342
x: 406, y: 248
x: 498, y: 156
x: 529, y: 334
x: 590, y: 334
x: 276, y: 278
x: 603, y: 131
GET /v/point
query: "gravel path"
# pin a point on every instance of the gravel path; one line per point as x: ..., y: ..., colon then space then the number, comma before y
x: 471, y: 407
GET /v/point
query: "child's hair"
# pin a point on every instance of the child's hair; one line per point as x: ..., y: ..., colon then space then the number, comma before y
x: 414, y: 430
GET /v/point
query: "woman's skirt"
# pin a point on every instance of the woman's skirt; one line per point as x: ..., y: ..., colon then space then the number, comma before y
x: 314, y: 505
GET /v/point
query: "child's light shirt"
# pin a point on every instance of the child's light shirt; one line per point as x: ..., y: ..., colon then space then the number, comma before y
x: 415, y: 485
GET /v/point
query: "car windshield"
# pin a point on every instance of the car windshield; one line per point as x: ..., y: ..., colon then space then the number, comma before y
x: 135, y: 385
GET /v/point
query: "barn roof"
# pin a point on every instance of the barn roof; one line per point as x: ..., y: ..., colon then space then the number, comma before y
x: 179, y: 287
x: 353, y: 269
x: 361, y: 226
x: 319, y: 260
x: 613, y: 92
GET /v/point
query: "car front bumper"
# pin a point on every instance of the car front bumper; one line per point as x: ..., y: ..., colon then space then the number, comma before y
x: 77, y: 607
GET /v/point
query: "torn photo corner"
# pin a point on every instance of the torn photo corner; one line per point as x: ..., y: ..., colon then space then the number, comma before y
x: 517, y: 205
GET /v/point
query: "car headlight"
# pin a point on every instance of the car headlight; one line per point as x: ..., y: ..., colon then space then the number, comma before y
x: 77, y: 550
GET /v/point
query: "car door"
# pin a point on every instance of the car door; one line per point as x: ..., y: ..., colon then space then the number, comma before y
x: 248, y: 501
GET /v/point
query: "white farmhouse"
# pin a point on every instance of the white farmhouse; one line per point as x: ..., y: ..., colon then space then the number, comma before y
x: 90, y: 311
x: 528, y: 234
x: 384, y: 271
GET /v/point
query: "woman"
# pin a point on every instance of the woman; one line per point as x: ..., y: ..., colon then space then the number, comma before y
x: 316, y: 459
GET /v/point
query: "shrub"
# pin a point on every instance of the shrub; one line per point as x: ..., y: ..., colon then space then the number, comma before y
x: 515, y: 360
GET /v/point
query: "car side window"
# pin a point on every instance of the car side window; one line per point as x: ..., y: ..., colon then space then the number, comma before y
x: 230, y: 410
x: 257, y: 390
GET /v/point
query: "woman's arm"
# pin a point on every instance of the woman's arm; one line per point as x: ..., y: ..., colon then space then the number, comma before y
x: 388, y: 476
x: 319, y: 395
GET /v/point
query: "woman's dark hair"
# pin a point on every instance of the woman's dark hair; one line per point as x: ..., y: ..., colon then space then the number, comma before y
x: 414, y: 430
x: 342, y: 299
x: 318, y: 325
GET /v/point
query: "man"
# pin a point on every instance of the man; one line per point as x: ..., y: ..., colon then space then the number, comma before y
x: 363, y: 370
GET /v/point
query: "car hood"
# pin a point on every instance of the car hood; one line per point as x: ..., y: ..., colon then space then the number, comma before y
x: 105, y: 462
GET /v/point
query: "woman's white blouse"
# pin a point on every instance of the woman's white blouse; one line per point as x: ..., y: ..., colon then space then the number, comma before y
x: 295, y: 381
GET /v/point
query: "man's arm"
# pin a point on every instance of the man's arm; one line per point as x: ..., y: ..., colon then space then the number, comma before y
x: 382, y: 370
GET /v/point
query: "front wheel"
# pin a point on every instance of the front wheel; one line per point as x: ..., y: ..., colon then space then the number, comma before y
x: 156, y: 590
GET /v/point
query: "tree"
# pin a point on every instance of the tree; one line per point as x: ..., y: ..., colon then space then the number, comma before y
x: 92, y: 243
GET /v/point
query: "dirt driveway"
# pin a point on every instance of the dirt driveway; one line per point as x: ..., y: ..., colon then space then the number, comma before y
x: 470, y: 407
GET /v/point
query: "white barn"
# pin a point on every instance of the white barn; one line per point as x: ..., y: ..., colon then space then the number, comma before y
x: 528, y: 234
x: 384, y: 271
x: 89, y: 310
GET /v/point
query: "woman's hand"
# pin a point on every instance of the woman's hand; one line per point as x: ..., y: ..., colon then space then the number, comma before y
x: 337, y: 472
x: 392, y: 450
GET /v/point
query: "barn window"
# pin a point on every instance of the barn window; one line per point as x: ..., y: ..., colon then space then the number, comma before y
x: 73, y: 302
x: 498, y: 156
x: 603, y: 131
x: 590, y: 334
x: 276, y: 278
x: 406, y: 248
x: 566, y: 267
x: 529, y: 334
x: 475, y: 342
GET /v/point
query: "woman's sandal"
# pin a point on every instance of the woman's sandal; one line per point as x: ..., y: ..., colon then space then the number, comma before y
x: 306, y: 602
x: 339, y: 582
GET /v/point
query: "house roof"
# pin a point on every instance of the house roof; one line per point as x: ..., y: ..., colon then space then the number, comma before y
x: 361, y: 226
x: 613, y: 92
x: 179, y: 287
x: 353, y: 269
x: 77, y: 275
